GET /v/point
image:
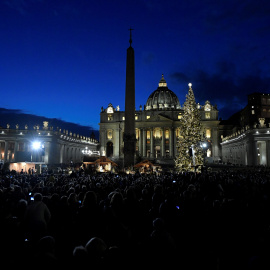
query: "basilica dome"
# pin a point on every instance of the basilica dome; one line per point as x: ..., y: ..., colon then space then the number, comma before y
x: 162, y: 98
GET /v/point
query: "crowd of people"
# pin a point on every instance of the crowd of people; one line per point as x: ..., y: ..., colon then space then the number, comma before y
x: 213, y: 220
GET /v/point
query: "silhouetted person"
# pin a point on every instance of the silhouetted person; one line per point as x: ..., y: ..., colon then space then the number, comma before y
x: 37, y: 217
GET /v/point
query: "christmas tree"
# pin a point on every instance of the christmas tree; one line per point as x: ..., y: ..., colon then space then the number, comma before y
x: 190, y: 153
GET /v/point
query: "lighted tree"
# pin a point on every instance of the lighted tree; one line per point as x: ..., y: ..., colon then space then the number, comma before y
x: 189, y: 151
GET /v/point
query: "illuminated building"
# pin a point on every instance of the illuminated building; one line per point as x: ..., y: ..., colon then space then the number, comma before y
x: 246, y: 135
x: 43, y: 146
x: 156, y: 127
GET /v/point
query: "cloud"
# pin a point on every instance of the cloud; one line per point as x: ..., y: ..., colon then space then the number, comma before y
x: 223, y: 88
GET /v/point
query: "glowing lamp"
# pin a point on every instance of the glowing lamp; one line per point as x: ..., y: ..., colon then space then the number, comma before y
x: 36, y: 145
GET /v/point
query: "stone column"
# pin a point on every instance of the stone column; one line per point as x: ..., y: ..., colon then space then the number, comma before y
x: 171, y: 142
x: 6, y: 151
x: 15, y: 151
x: 144, y: 143
x: 65, y: 153
x: 151, y: 144
x: 140, y: 142
x: 102, y: 142
x: 174, y: 142
x: 163, y: 152
x: 252, y: 153
x: 116, y: 142
x: 48, y: 158
x: 268, y: 153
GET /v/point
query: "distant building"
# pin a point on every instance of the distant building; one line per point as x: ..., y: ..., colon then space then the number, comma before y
x: 157, y: 127
x: 246, y: 137
x: 43, y: 146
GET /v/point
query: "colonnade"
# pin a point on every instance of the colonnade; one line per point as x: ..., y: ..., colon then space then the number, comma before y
x: 53, y: 151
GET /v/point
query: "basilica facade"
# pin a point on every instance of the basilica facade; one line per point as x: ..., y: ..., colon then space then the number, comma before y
x: 157, y: 127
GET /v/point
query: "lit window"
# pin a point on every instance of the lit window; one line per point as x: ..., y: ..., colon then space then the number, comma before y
x: 252, y: 111
x: 110, y: 117
x: 208, y: 133
x: 148, y: 134
x: 137, y: 134
x: 179, y: 116
x: 123, y: 118
x: 136, y: 117
x: 167, y: 134
x: 207, y: 115
x: 148, y: 117
x: 157, y: 133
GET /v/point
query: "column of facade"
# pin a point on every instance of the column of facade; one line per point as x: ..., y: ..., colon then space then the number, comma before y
x: 144, y: 143
x: 163, y: 152
x: 65, y: 153
x: 171, y: 142
x: 116, y: 142
x: 252, y: 153
x: 255, y: 156
x: 48, y: 158
x: 268, y: 153
x: 151, y: 143
x: 6, y: 151
x: 174, y: 142
x: 15, y: 150
x: 61, y: 153
x: 140, y: 141
x: 102, y: 142
x: 216, y: 153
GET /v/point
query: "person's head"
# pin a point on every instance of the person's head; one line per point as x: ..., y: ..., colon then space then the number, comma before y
x: 158, y: 224
x: 131, y: 194
x: 90, y: 198
x: 72, y: 198
x: 79, y: 254
x: 96, y: 247
x: 116, y: 199
x: 46, y: 244
x: 38, y: 197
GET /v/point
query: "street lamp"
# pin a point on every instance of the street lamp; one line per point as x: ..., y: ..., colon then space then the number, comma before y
x: 36, y: 145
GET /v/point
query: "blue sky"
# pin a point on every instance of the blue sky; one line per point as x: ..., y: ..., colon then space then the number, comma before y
x: 66, y: 58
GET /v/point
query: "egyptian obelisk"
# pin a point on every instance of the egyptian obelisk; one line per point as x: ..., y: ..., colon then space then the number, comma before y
x: 129, y: 132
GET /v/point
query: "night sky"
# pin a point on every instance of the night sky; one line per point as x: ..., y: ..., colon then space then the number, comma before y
x: 66, y: 58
